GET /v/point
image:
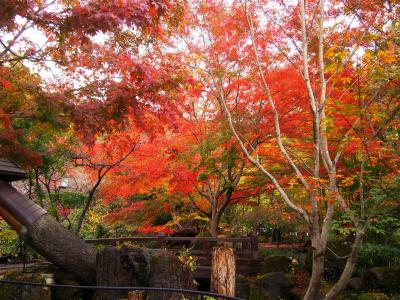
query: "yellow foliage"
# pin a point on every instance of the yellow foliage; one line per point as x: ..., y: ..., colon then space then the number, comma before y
x: 386, y: 56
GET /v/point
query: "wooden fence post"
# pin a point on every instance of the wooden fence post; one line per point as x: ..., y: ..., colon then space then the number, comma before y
x: 254, y: 246
x: 161, y: 240
x: 223, y: 271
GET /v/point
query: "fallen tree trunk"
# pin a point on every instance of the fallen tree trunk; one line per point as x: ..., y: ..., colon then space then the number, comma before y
x: 56, y: 243
x: 114, y: 267
x: 64, y: 249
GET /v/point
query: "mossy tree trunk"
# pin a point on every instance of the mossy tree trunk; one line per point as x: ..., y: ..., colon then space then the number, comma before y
x: 56, y: 243
x: 61, y: 247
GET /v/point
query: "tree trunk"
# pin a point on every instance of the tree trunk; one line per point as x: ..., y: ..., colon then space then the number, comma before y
x: 214, y: 220
x: 47, y: 236
x: 313, y: 290
x: 167, y: 271
x: 121, y: 267
x: 61, y: 247
x: 214, y: 226
x: 344, y: 279
x: 141, y: 267
x: 223, y: 271
x: 83, y: 214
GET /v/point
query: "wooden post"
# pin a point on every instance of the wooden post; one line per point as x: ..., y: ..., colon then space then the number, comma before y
x: 10, y: 219
x: 254, y: 246
x: 162, y: 242
x: 207, y: 249
x: 223, y: 271
x: 136, y: 295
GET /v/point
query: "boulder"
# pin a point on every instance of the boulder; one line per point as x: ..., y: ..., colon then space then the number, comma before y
x: 385, y: 279
x: 275, y: 263
x: 356, y: 283
x: 21, y: 292
x: 372, y: 296
x: 272, y: 286
x: 242, y: 287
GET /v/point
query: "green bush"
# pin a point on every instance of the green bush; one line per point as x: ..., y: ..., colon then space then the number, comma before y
x: 72, y: 199
x: 372, y: 296
x: 375, y: 255
x: 8, y: 239
x: 277, y: 251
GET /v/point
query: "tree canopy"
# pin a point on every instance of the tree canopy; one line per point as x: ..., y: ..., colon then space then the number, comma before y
x: 169, y: 114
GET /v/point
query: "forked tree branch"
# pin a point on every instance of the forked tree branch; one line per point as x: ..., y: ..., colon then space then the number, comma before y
x: 271, y: 102
x: 257, y: 164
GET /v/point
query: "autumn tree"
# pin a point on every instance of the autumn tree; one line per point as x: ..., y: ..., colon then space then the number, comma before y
x: 322, y: 89
x: 63, y: 38
x: 90, y: 162
x: 196, y: 162
x: 30, y: 117
x: 287, y: 86
x: 99, y: 79
x: 216, y: 162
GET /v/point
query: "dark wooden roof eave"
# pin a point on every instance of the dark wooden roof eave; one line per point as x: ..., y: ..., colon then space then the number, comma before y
x: 9, y: 171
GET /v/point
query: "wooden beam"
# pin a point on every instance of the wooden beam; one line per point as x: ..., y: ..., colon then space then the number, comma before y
x: 13, y: 222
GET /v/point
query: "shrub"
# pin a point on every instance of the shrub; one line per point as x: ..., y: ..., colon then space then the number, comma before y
x: 376, y: 255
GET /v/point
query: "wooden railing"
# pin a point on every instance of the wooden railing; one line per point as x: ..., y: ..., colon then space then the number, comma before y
x: 246, y: 248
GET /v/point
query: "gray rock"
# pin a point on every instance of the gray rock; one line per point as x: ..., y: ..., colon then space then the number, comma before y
x: 272, y: 286
x: 356, y: 283
x: 21, y: 292
x: 242, y: 287
x: 385, y: 279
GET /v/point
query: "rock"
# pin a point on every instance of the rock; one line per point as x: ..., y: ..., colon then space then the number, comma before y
x: 242, y: 287
x: 385, y: 279
x: 272, y: 286
x: 356, y: 283
x: 20, y: 292
x: 372, y: 296
x: 275, y: 263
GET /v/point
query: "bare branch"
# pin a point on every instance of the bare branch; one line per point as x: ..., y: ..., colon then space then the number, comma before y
x: 256, y: 163
x: 272, y: 104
